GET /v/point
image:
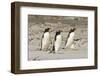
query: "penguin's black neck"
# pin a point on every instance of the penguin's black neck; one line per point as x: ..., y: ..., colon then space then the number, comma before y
x: 58, y: 33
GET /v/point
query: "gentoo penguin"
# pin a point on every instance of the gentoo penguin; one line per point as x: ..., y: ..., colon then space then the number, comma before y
x: 45, y: 41
x: 70, y: 38
x: 57, y: 42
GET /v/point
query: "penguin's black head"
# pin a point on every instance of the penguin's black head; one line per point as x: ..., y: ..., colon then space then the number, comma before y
x: 47, y: 30
x: 58, y: 32
x: 72, y: 29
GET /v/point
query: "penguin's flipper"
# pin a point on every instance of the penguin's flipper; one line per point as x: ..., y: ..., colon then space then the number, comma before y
x: 41, y: 42
x: 67, y: 39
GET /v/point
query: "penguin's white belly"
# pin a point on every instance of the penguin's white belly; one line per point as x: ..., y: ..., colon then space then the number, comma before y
x: 70, y: 40
x: 46, y: 41
x: 58, y: 43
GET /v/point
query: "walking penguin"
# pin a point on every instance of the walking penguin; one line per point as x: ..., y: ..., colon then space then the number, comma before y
x: 70, y: 38
x: 57, y: 42
x: 45, y: 41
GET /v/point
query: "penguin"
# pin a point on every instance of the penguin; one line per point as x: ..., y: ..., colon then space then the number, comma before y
x: 57, y: 42
x: 70, y: 38
x: 45, y: 41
